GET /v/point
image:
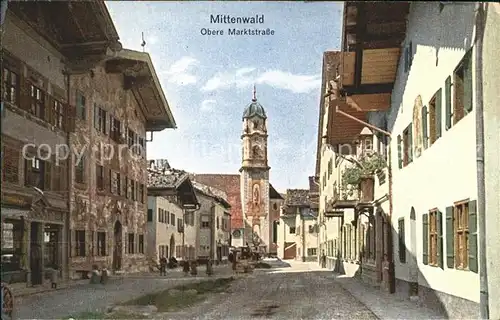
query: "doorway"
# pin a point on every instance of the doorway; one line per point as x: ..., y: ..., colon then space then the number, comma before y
x: 413, y: 266
x: 36, y: 254
x: 117, y: 251
x: 172, y: 246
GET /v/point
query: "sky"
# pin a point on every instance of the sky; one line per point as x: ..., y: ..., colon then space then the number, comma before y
x: 208, y: 79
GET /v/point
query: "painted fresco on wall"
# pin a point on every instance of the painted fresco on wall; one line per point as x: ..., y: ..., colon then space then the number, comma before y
x: 417, y: 126
x: 255, y: 199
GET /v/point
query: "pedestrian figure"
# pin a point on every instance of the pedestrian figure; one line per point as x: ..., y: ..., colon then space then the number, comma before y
x: 185, y: 267
x: 104, y: 275
x: 210, y: 270
x: 194, y: 268
x: 53, y: 277
x: 323, y: 260
x: 163, y: 266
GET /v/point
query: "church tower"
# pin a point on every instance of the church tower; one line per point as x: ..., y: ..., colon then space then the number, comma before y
x: 255, y: 176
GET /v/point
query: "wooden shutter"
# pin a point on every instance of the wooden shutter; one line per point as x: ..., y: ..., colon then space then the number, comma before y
x: 25, y: 94
x: 450, y: 237
x: 70, y: 116
x: 439, y: 229
x: 400, y: 158
x: 107, y: 179
x: 439, y: 94
x: 47, y: 172
x: 447, y: 94
x: 73, y: 241
x: 96, y: 117
x: 425, y: 239
x: 10, y: 168
x: 468, y: 94
x: 410, y: 143
x: 425, y: 135
x: 49, y: 102
x: 473, y: 263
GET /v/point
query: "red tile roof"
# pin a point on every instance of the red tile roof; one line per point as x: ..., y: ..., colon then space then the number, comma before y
x: 230, y: 184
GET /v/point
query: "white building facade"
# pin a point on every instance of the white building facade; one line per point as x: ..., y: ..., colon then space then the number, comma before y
x: 432, y: 117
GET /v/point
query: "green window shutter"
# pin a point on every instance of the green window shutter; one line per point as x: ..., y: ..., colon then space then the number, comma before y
x: 473, y: 236
x: 425, y: 135
x: 439, y: 94
x: 450, y: 238
x: 96, y: 117
x: 439, y: 227
x: 468, y: 82
x: 425, y: 239
x: 410, y: 55
x: 400, y: 158
x: 410, y: 142
x: 447, y: 93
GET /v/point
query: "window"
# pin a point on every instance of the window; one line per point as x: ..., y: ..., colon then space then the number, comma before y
x: 407, y: 145
x: 141, y: 243
x: 35, y: 173
x: 150, y: 215
x: 80, y: 169
x: 100, y: 119
x: 402, y: 245
x: 141, y: 193
x: 37, y: 102
x: 367, y: 145
x: 81, y: 110
x: 433, y: 237
x: 131, y: 138
x: 462, y: 87
x: 99, y: 172
x: 461, y: 220
x: 311, y: 251
x: 118, y: 184
x: 131, y: 243
x: 58, y: 114
x: 127, y: 189
x: 101, y: 243
x: 161, y: 217
x: 115, y: 183
x: 180, y: 226
x: 115, y: 131
x: 172, y: 219
x: 292, y: 229
x: 205, y: 221
x: 275, y: 232
x: 10, y: 86
x: 217, y: 223
x: 80, y: 243
x: 132, y: 190
x: 435, y: 117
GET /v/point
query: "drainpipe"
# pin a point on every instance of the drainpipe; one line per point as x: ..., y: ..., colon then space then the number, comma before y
x: 481, y: 196
x: 69, y: 184
x: 390, y: 256
x: 303, y: 237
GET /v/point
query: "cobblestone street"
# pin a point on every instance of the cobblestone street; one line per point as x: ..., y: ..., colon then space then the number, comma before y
x: 298, y: 292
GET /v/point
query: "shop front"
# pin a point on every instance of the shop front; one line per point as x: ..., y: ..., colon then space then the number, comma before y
x: 32, y: 238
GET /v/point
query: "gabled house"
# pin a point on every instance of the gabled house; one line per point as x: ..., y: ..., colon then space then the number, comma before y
x: 421, y: 99
x: 171, y: 217
x: 39, y: 56
x: 213, y: 237
x: 297, y: 233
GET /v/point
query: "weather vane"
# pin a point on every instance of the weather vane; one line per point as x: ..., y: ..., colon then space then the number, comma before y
x: 143, y: 44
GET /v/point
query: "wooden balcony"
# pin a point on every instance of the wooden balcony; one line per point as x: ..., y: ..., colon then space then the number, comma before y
x: 371, y: 40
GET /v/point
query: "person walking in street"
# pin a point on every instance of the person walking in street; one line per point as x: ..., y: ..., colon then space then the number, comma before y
x: 163, y: 266
x: 323, y: 260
